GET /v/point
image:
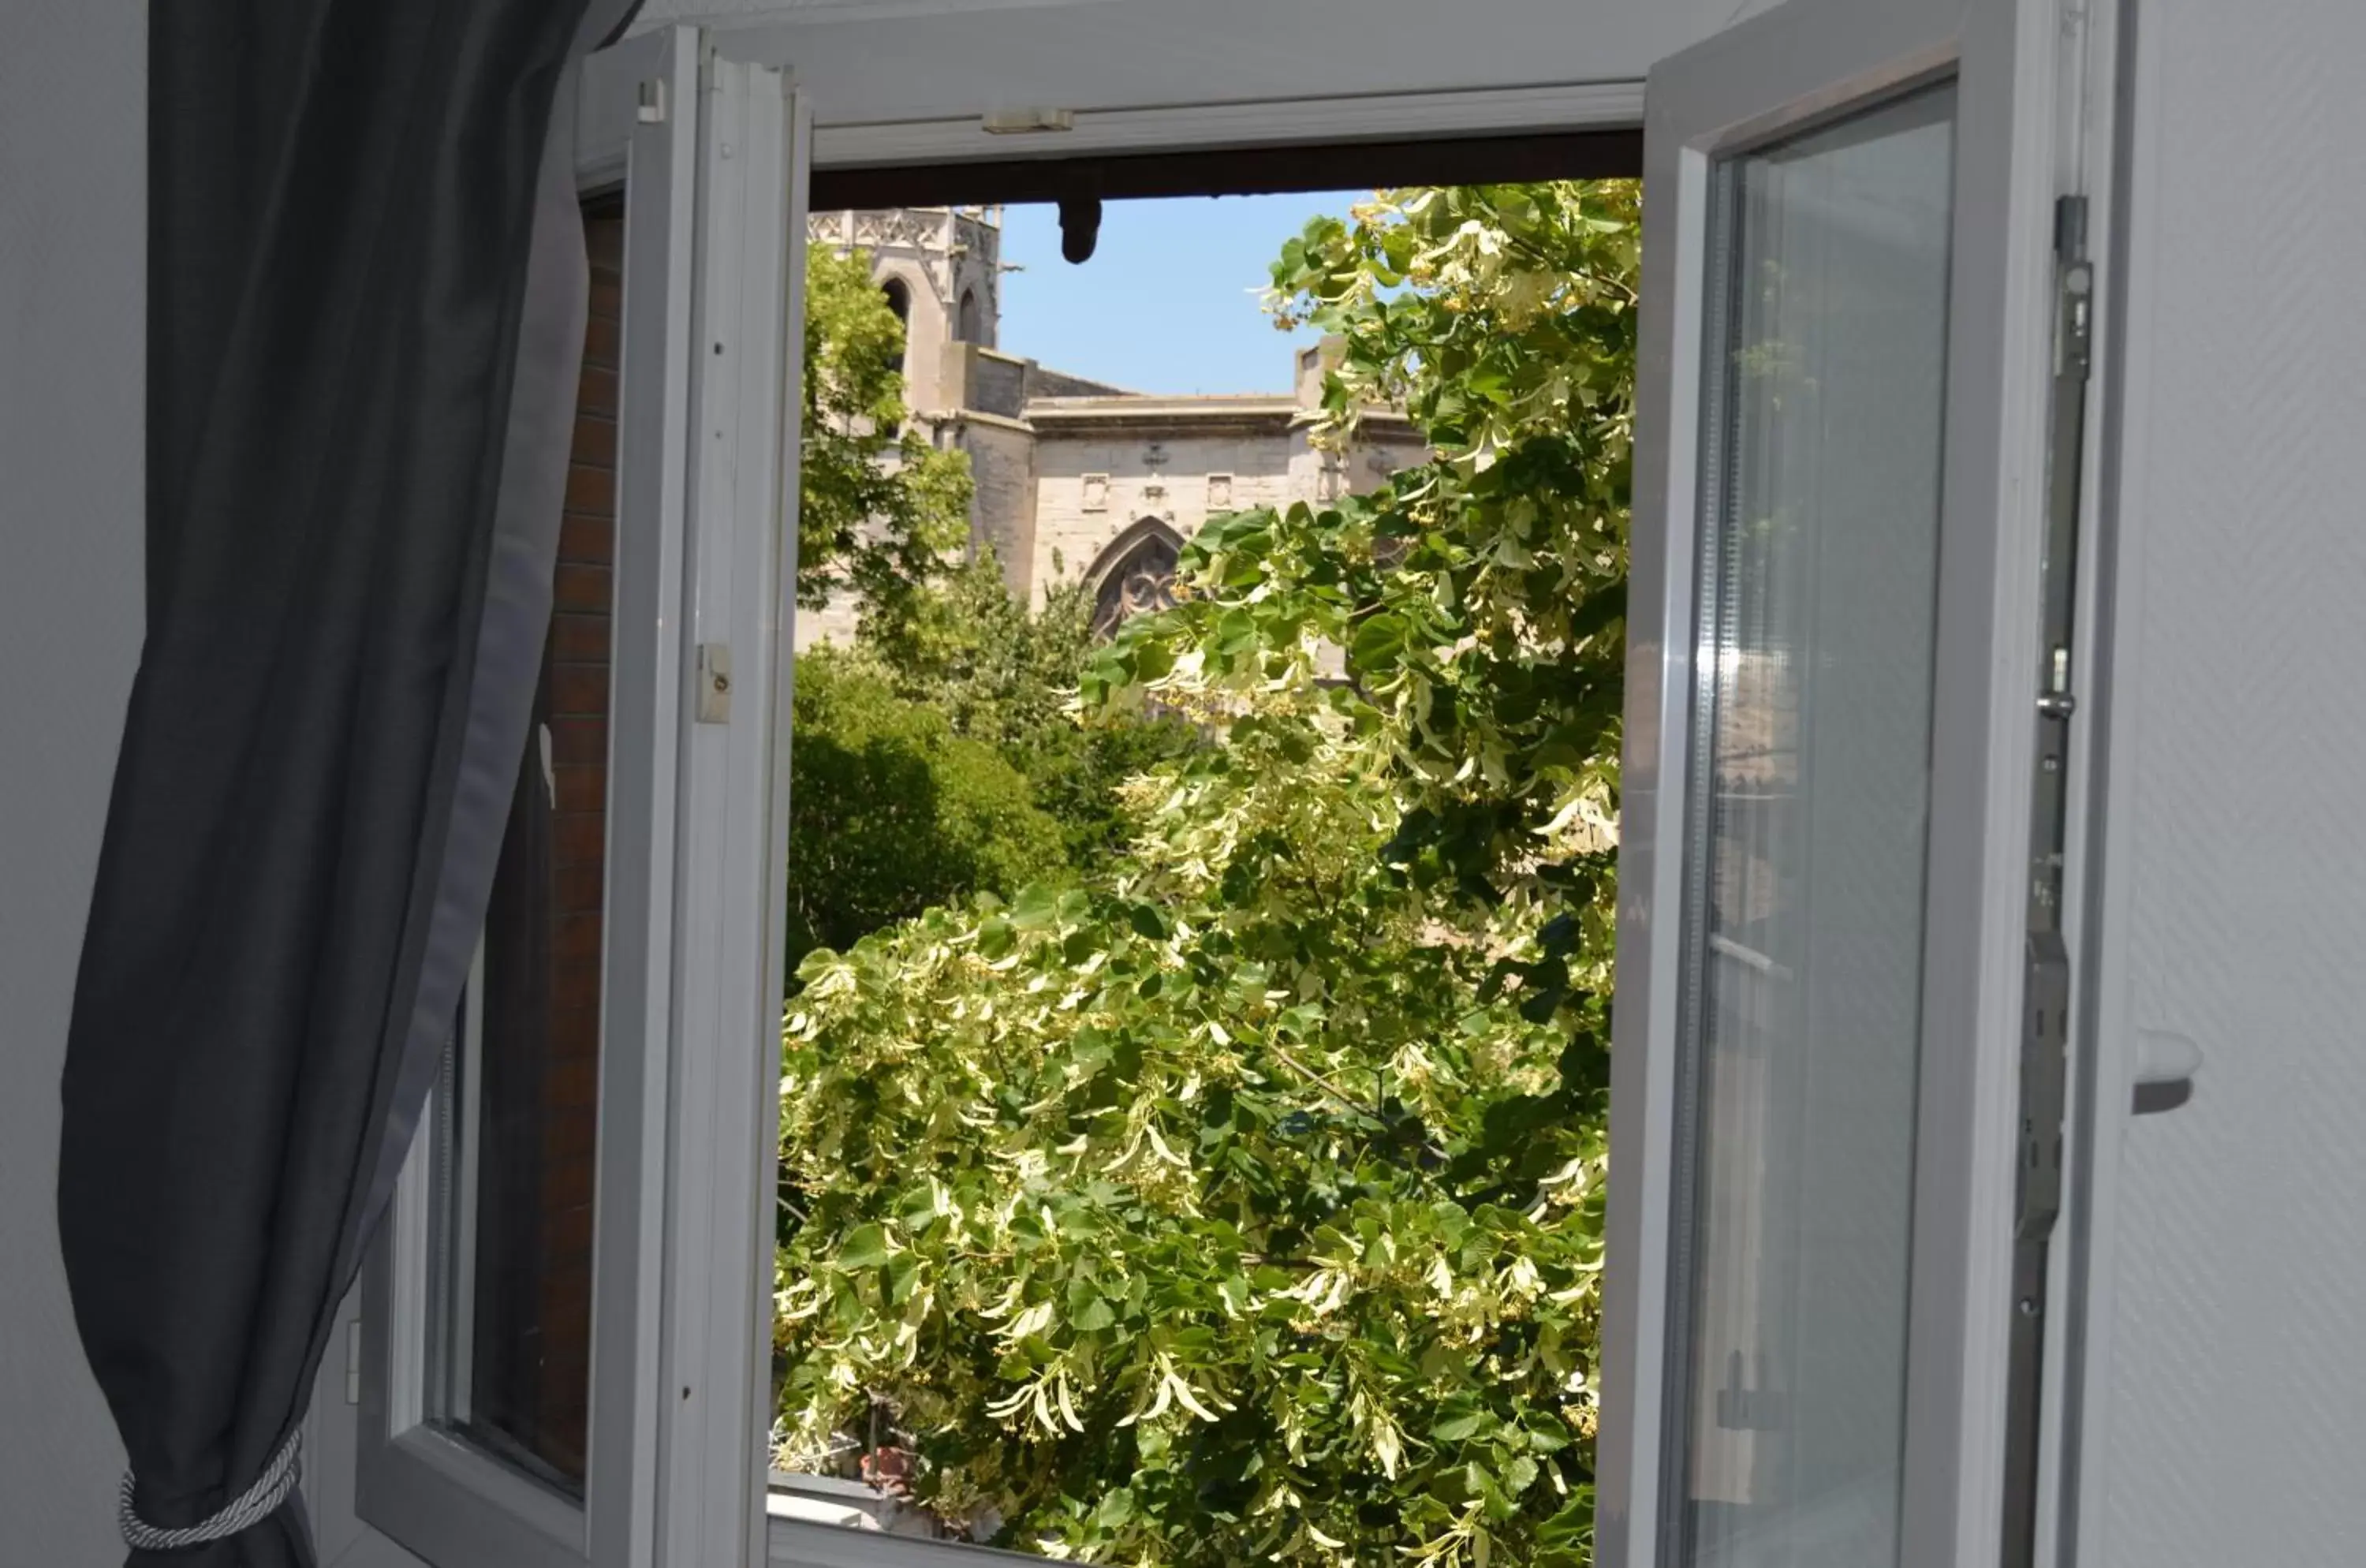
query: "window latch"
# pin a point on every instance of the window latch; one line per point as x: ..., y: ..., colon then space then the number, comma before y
x: 714, y: 682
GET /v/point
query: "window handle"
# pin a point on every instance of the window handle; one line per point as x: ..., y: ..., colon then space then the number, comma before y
x: 2165, y: 1065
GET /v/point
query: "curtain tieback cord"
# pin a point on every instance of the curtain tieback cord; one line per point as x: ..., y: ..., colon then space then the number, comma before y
x: 252, y: 1507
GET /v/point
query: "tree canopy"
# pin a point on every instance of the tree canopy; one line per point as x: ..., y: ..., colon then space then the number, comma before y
x: 880, y: 508
x: 1007, y: 673
x: 937, y: 757
x: 893, y: 813
x: 1242, y: 1202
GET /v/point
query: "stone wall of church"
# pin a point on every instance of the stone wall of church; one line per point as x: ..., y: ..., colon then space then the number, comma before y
x: 1091, y: 487
x: 1071, y: 474
x: 1002, y: 468
x: 1053, y: 498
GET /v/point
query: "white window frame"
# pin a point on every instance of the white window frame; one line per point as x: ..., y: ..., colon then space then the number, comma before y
x: 801, y: 1543
x: 727, y: 1484
x: 712, y: 148
x: 1802, y: 63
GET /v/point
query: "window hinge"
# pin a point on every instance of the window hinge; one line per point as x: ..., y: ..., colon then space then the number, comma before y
x: 354, y: 1362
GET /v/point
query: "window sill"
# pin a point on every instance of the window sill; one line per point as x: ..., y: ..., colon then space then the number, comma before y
x: 796, y: 1539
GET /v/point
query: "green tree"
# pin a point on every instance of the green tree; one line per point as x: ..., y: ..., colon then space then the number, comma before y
x: 1008, y: 674
x: 893, y: 812
x: 1246, y: 1206
x: 1481, y: 598
x: 880, y: 508
x: 918, y: 764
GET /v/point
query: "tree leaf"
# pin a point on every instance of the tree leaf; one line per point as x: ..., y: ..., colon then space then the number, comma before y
x: 864, y: 1246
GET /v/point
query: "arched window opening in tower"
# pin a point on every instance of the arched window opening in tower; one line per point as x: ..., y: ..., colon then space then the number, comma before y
x: 899, y: 299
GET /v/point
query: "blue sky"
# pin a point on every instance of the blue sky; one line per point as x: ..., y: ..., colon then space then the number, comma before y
x: 1170, y: 301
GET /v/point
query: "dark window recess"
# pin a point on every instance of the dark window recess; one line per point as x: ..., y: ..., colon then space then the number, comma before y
x: 527, y: 1371
x: 1141, y: 580
x: 899, y: 299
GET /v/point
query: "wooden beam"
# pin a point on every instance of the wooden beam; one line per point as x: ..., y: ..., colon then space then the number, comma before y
x: 1245, y: 170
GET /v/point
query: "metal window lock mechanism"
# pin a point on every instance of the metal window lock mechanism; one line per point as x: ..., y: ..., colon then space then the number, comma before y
x: 2047, y: 978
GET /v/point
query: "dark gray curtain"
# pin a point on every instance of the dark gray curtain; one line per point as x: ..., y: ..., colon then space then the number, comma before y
x: 365, y: 302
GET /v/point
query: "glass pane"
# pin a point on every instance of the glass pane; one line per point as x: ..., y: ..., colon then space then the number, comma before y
x: 1809, y: 815
x: 518, y: 1114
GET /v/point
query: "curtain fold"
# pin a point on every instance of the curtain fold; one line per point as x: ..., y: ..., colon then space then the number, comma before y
x: 366, y: 296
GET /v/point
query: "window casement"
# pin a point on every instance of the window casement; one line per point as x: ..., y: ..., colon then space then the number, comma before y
x: 1825, y: 845
x: 561, y: 1357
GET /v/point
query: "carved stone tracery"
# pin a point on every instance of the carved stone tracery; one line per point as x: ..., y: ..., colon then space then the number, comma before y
x: 1140, y: 577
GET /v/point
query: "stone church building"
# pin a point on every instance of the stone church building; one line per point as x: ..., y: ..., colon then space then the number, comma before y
x: 1075, y: 478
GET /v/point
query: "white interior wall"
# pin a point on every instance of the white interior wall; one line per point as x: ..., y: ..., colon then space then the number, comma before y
x: 2229, y: 1391
x: 2234, y: 1402
x: 73, y: 287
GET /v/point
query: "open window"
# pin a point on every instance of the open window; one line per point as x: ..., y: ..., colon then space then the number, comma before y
x: 1825, y: 848
x: 1835, y: 633
x: 564, y: 1320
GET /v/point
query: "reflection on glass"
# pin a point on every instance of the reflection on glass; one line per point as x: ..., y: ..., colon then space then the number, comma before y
x: 516, y: 1115
x: 1810, y: 813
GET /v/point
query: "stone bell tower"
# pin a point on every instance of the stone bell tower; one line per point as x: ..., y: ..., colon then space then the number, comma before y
x: 941, y: 268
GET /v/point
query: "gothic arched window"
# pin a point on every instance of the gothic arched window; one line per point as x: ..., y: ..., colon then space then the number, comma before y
x: 1135, y: 573
x: 899, y: 299
x: 973, y: 318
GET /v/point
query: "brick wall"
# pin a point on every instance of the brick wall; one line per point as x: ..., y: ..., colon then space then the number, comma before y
x: 540, y: 1046
x: 579, y: 652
